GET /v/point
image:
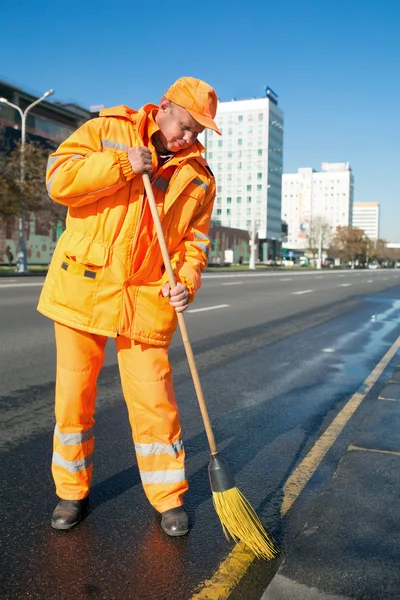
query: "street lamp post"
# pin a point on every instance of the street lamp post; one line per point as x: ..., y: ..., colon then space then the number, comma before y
x: 22, y: 259
x: 252, y: 261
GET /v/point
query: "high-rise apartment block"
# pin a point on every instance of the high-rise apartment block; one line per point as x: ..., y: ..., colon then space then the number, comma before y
x: 308, y: 196
x: 247, y: 164
x: 366, y: 216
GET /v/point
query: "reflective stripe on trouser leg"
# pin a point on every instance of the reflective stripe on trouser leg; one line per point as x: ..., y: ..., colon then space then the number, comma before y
x: 153, y: 413
x: 80, y: 357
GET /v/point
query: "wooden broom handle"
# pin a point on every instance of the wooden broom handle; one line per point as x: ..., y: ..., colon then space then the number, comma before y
x: 181, y: 318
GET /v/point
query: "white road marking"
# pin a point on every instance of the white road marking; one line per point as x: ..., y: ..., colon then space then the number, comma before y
x: 15, y: 285
x: 194, y: 310
x: 345, y: 284
x: 328, y: 350
x: 286, y: 279
x: 369, y: 280
x: 306, y: 273
x: 234, y: 283
x: 303, y: 292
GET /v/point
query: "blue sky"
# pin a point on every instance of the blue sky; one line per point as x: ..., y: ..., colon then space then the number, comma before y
x: 335, y: 67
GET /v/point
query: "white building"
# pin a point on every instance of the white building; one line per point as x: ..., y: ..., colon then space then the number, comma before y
x: 366, y: 216
x: 308, y: 196
x: 247, y: 164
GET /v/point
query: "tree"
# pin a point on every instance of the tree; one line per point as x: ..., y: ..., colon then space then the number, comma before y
x: 29, y: 195
x: 319, y: 234
x: 351, y: 244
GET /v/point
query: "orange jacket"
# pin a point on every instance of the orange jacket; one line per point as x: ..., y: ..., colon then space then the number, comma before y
x: 107, y: 271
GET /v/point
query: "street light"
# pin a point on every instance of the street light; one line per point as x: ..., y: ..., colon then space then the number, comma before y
x: 252, y: 233
x: 22, y: 261
x: 252, y: 261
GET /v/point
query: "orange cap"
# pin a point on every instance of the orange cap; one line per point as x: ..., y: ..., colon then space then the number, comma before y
x: 198, y: 98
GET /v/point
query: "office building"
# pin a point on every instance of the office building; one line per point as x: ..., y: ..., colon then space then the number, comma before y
x: 366, y: 216
x: 310, y: 196
x: 247, y: 164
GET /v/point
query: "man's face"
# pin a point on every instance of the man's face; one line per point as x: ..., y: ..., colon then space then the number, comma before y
x: 178, y: 129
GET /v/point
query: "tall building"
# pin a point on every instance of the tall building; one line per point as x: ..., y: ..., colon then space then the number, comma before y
x: 366, y: 216
x: 309, y: 196
x: 247, y: 163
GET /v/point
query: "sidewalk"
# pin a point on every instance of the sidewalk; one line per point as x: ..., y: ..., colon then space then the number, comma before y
x: 350, y: 544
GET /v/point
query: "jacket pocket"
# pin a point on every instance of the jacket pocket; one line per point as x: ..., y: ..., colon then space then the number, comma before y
x: 78, y: 274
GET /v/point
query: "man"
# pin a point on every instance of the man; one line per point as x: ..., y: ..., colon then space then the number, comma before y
x: 107, y: 279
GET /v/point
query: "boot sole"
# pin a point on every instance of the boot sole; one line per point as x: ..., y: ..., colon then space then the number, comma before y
x: 175, y: 533
x: 64, y: 526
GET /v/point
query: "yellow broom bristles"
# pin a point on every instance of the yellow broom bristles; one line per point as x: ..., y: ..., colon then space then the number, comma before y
x: 239, y: 520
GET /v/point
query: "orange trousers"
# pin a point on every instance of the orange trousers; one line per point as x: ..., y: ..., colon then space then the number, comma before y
x: 146, y: 380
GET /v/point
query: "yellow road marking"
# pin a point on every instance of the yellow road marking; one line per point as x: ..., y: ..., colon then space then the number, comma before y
x: 233, y: 568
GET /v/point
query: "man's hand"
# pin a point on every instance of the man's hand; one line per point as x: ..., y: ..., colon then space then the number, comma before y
x: 140, y: 159
x: 179, y: 296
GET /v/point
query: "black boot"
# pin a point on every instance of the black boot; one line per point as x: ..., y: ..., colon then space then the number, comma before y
x: 175, y: 521
x: 68, y: 513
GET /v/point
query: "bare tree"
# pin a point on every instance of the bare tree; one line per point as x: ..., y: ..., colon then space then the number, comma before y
x: 319, y: 235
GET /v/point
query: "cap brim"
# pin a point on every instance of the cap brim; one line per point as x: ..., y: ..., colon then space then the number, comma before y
x: 205, y: 121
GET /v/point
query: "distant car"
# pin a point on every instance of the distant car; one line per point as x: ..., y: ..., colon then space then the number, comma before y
x: 373, y: 265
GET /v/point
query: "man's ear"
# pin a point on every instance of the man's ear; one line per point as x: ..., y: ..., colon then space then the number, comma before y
x: 165, y: 104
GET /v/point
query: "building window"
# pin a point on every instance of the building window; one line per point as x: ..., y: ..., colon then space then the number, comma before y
x: 240, y: 141
x: 238, y: 200
x: 239, y: 165
x: 229, y: 200
x: 240, y: 117
x: 219, y: 143
x: 260, y: 116
x: 248, y: 199
x: 259, y: 187
x: 219, y: 189
x: 259, y: 175
x: 228, y: 211
x: 219, y: 211
x: 259, y: 152
x: 248, y: 188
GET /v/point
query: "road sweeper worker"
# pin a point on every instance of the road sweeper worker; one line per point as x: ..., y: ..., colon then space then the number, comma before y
x: 107, y: 280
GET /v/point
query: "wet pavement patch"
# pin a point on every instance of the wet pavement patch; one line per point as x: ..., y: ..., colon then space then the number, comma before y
x: 350, y: 542
x: 381, y: 428
x: 390, y: 392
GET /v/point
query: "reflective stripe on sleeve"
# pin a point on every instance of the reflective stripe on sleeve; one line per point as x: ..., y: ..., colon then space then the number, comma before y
x: 50, y: 162
x: 115, y: 145
x: 200, y: 183
x: 160, y: 477
x: 204, y: 246
x: 73, y: 466
x: 70, y: 439
x: 159, y: 448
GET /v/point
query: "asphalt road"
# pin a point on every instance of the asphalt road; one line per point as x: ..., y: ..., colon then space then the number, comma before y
x: 278, y: 355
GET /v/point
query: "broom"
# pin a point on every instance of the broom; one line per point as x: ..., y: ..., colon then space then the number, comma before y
x: 238, y: 519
